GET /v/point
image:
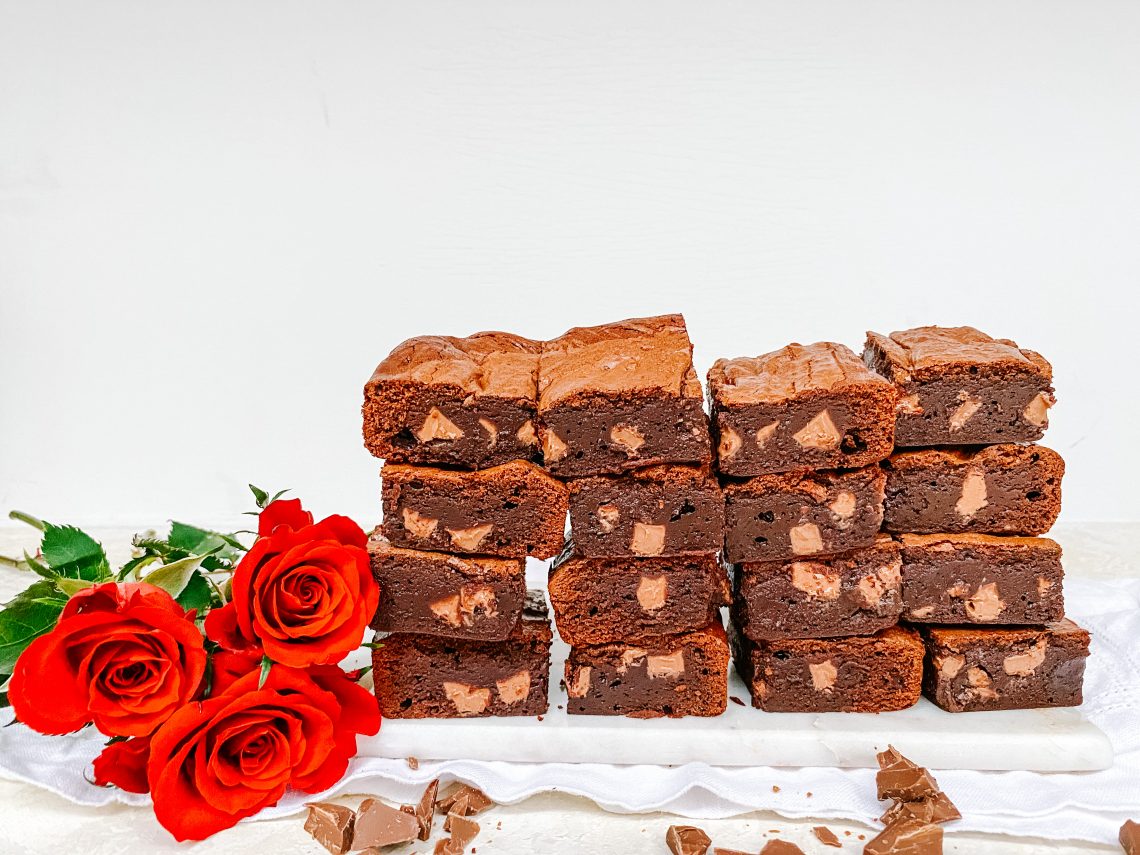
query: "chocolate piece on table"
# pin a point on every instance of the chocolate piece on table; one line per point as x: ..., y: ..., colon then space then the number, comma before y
x: 958, y: 386
x: 856, y: 593
x: 424, y: 676
x: 475, y: 800
x: 424, y: 809
x: 1130, y: 838
x: 899, y: 778
x: 826, y: 836
x: 378, y: 824
x: 781, y: 847
x: 687, y: 840
x: 802, y: 514
x: 331, y: 825
x: 906, y: 837
x: 659, y: 510
x: 673, y: 675
x: 448, y: 595
x: 461, y: 829
x: 980, y: 578
x: 719, y: 851
x: 1005, y: 668
x: 801, y: 407
x: 467, y: 402
x: 999, y: 489
x: 511, y: 511
x: 935, y: 808
x: 597, y: 600
x: 865, y: 673
x: 621, y: 396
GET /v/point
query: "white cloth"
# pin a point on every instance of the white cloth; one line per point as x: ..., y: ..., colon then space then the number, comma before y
x: 1084, y: 806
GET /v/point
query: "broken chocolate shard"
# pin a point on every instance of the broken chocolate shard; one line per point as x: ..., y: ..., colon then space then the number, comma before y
x: 424, y: 810
x: 899, y: 778
x: 331, y: 825
x: 462, y: 830
x: 1130, y: 838
x: 378, y: 824
x: 826, y: 836
x: 781, y: 847
x: 906, y: 837
x: 687, y: 840
x: 938, y: 808
x: 413, y: 763
x: 477, y: 800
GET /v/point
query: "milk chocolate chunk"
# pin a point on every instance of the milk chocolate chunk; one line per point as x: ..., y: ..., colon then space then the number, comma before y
x: 467, y: 402
x: 510, y: 511
x: 473, y: 800
x: 621, y: 396
x: 977, y: 578
x: 802, y: 514
x: 999, y: 489
x: 800, y: 407
x: 899, y: 778
x: 462, y: 830
x: 433, y: 593
x: 1006, y: 668
x: 826, y: 836
x: 1130, y: 838
x: 936, y: 808
x: 424, y: 809
x: 673, y: 675
x: 378, y: 824
x: 599, y: 600
x: 906, y: 837
x: 331, y: 825
x: 875, y: 673
x: 958, y: 386
x: 659, y: 510
x: 423, y: 676
x: 687, y: 840
x: 855, y: 593
x: 781, y: 847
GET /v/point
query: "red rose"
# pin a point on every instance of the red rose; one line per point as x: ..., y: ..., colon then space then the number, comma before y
x: 302, y: 594
x: 282, y: 512
x: 123, y: 655
x: 227, y: 757
x: 123, y: 764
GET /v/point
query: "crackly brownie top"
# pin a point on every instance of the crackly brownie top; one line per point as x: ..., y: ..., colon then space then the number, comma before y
x: 469, y: 565
x: 927, y: 353
x: 637, y: 357
x: 1063, y: 633
x: 990, y: 456
x: 938, y: 542
x: 665, y: 474
x: 789, y: 372
x: 895, y: 636
x: 814, y: 483
x: 486, y: 363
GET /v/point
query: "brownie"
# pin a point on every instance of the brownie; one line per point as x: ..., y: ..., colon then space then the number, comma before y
x: 999, y: 489
x: 466, y: 402
x: 859, y: 673
x: 432, y: 593
x: 660, y: 510
x: 856, y: 593
x: 425, y: 676
x: 979, y: 578
x: 672, y: 675
x: 511, y: 510
x: 621, y: 396
x: 801, y: 407
x: 598, y: 600
x: 958, y: 386
x: 797, y: 514
x: 1005, y: 668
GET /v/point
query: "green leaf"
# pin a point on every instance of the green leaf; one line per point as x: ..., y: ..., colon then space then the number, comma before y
x: 259, y: 496
x: 196, y: 540
x: 73, y: 553
x: 196, y: 595
x: 27, y: 617
x: 135, y: 564
x: 266, y: 665
x: 175, y: 576
x: 71, y: 587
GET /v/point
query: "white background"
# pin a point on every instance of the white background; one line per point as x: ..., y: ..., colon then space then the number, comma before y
x: 215, y: 218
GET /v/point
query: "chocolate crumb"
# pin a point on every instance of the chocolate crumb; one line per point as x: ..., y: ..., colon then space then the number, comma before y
x: 1130, y: 838
x: 775, y: 789
x: 413, y: 763
x: 331, y: 825
x: 808, y: 794
x: 540, y: 718
x: 736, y: 700
x: 826, y: 836
x: 687, y: 840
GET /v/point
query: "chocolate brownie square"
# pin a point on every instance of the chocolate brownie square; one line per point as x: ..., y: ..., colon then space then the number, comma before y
x: 598, y: 600
x: 800, y: 514
x: 862, y: 673
x: 673, y: 675
x: 856, y: 593
x: 425, y: 676
x: 432, y: 593
x: 467, y: 402
x: 992, y: 668
x: 801, y: 407
x: 511, y: 510
x: 621, y: 396
x: 999, y: 489
x: 979, y: 578
x: 660, y: 510
x: 958, y: 386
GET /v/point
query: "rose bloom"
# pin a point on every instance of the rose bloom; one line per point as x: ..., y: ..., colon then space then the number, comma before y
x: 304, y: 593
x: 227, y: 757
x: 122, y: 655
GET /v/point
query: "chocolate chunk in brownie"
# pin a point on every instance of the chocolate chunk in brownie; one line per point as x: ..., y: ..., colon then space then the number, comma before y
x: 672, y: 675
x: 660, y: 510
x: 801, y: 407
x: 856, y: 593
x: 432, y: 593
x: 467, y: 402
x: 511, y: 510
x: 621, y: 396
x: 999, y: 489
x: 979, y: 578
x: 958, y: 386
x: 598, y: 600
x: 862, y: 673
x: 802, y: 514
x: 992, y: 668
x: 425, y: 676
